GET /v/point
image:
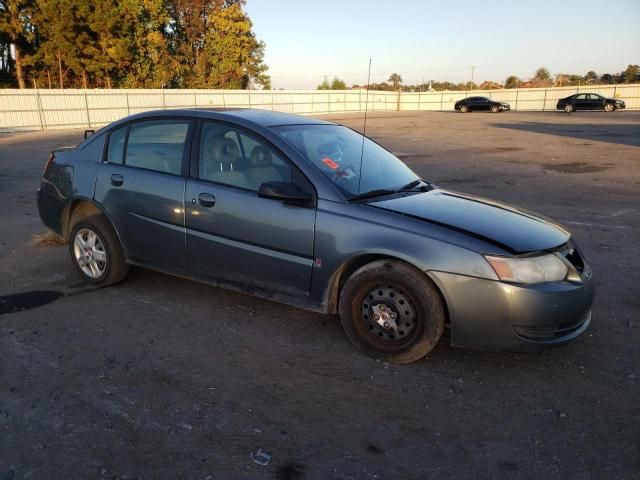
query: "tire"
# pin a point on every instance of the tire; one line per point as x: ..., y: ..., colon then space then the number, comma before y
x: 495, y: 109
x: 609, y: 107
x: 411, y: 302
x: 568, y: 108
x: 464, y: 109
x: 96, y: 252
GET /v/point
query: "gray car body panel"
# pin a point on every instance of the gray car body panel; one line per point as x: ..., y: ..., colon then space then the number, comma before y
x: 296, y: 254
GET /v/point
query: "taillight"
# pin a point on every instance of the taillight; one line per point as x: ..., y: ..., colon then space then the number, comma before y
x: 46, y: 165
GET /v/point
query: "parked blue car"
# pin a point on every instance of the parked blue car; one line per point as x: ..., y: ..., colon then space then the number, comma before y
x: 313, y: 214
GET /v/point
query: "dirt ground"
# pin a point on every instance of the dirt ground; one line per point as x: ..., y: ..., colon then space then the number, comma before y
x: 161, y: 377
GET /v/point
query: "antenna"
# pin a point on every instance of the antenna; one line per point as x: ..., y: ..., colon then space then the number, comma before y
x: 364, y: 126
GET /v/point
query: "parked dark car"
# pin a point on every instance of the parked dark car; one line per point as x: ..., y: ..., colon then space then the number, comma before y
x: 311, y: 213
x: 589, y: 101
x: 481, y: 104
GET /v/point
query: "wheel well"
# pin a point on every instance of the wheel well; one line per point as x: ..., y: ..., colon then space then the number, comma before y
x: 76, y: 210
x: 348, y: 268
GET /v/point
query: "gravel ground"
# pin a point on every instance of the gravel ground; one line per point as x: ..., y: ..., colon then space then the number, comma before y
x: 161, y: 377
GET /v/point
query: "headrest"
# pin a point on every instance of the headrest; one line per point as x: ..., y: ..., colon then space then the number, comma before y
x: 222, y: 150
x: 260, y: 157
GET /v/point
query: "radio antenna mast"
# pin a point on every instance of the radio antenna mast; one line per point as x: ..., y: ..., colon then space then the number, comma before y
x: 364, y: 126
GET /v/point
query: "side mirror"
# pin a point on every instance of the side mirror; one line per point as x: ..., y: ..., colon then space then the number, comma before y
x: 286, y: 192
x: 88, y: 133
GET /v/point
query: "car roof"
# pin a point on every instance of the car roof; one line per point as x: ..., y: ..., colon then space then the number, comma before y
x: 253, y: 116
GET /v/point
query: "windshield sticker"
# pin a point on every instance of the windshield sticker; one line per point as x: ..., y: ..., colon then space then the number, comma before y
x: 347, y: 173
x: 329, y: 163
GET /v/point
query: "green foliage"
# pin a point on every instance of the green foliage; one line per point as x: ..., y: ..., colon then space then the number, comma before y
x: 631, y: 74
x: 542, y: 74
x: 591, y: 77
x: 511, y: 82
x: 325, y: 85
x: 338, y: 84
x: 395, y: 80
x: 134, y: 43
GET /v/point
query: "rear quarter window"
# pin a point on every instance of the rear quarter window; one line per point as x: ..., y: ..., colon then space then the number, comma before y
x: 115, y: 148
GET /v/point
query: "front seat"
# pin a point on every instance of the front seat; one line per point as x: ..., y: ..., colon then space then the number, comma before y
x: 219, y: 156
x: 262, y: 169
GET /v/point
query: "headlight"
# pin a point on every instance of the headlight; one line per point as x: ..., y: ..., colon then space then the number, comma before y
x: 545, y: 268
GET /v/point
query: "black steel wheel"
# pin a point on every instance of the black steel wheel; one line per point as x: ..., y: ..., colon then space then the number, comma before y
x: 392, y: 311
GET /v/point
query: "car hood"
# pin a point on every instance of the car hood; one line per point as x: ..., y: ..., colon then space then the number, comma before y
x: 512, y: 229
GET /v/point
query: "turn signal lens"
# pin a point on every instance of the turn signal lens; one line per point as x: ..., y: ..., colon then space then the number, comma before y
x: 544, y: 268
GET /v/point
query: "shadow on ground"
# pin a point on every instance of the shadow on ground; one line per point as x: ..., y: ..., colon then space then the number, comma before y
x: 624, y: 134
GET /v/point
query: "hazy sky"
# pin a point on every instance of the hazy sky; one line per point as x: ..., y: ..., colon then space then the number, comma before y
x: 307, y: 40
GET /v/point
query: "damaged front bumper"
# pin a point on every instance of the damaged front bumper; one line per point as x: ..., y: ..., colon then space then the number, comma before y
x: 493, y: 315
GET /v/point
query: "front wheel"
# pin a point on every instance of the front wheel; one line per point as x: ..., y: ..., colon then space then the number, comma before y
x: 96, y: 251
x: 568, y: 108
x: 495, y: 109
x: 464, y: 109
x: 609, y: 107
x: 392, y: 311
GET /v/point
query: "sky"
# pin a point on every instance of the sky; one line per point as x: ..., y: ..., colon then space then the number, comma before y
x: 308, y: 40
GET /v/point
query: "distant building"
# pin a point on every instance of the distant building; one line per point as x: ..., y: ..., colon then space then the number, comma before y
x: 489, y: 85
x: 536, y: 84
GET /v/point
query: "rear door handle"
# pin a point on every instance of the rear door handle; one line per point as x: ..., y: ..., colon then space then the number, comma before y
x: 117, y: 179
x: 206, y: 200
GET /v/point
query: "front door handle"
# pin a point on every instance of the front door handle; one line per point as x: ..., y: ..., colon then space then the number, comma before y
x: 206, y: 200
x: 117, y: 179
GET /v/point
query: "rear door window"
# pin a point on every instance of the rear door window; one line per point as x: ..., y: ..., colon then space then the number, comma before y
x: 157, y: 145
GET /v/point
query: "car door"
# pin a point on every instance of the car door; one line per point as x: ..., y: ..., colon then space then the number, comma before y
x: 581, y: 102
x: 472, y: 103
x: 596, y: 102
x: 235, y: 235
x: 141, y: 184
x: 484, y: 104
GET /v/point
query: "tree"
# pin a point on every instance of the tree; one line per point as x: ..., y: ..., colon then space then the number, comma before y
x: 325, y: 85
x: 542, y: 74
x: 338, y: 84
x: 16, y: 26
x: 631, y: 74
x: 232, y: 56
x: 154, y: 61
x: 395, y: 80
x: 591, y: 77
x: 511, y: 82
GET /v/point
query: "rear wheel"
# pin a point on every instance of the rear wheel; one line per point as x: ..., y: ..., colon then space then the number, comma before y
x: 609, y: 107
x: 96, y: 251
x: 494, y: 109
x: 392, y: 311
x: 568, y: 108
x: 464, y: 109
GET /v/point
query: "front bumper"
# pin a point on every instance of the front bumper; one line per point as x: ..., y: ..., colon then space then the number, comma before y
x: 493, y: 315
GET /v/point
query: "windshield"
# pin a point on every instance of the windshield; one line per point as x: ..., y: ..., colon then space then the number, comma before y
x: 337, y: 150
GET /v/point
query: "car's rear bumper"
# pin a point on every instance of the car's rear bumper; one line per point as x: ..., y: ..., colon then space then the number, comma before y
x: 492, y: 315
x: 50, y: 209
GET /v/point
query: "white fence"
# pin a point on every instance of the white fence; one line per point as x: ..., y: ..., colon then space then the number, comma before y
x: 41, y: 109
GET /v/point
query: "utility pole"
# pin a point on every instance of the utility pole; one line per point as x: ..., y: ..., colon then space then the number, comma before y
x: 473, y: 69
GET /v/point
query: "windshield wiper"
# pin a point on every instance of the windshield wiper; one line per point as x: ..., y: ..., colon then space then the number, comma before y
x: 379, y: 192
x: 411, y: 185
x: 373, y: 193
